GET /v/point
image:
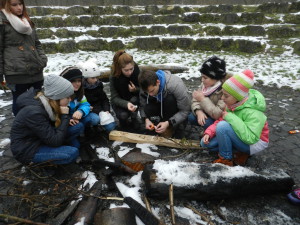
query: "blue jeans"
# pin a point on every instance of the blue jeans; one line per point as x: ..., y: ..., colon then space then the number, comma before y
x: 94, y: 119
x: 226, y: 141
x: 57, y: 155
x: 73, y: 133
x: 192, y: 119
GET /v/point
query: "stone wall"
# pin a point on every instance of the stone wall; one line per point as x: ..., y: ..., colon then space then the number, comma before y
x: 147, y: 2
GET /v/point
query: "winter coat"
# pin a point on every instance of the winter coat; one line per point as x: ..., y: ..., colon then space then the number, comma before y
x: 175, y: 86
x: 119, y: 93
x: 21, y: 56
x: 32, y: 128
x: 248, y: 121
x: 212, y: 105
x: 83, y: 106
x: 97, y: 97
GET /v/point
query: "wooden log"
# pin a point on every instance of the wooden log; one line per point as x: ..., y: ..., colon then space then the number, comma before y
x: 208, y: 181
x: 87, y: 208
x: 115, y: 216
x: 105, y: 73
x: 155, y: 140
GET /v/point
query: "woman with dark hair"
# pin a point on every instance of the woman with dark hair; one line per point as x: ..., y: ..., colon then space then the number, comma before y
x: 124, y: 87
x: 22, y: 59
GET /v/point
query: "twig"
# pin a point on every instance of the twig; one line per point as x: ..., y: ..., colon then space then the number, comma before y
x: 203, y: 217
x: 147, y: 203
x: 18, y: 219
x: 172, y: 204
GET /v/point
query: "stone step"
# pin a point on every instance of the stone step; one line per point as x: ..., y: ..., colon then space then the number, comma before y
x: 272, y: 31
x: 268, y: 8
x: 155, y: 43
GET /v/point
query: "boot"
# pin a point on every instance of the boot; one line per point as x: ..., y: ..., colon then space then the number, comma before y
x: 240, y: 158
x: 224, y: 161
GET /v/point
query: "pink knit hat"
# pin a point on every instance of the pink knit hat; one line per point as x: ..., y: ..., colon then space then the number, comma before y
x: 239, y: 84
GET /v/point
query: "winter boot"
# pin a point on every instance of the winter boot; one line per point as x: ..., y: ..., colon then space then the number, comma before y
x: 224, y: 161
x: 240, y: 158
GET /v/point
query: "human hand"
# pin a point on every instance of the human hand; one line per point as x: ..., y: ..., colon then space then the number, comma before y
x: 149, y: 125
x: 161, y: 127
x: 206, y: 139
x: 64, y: 109
x: 198, y: 95
x: 131, y: 107
x: 73, y: 122
x: 224, y: 113
x: 77, y: 115
x: 201, y: 117
x: 131, y: 87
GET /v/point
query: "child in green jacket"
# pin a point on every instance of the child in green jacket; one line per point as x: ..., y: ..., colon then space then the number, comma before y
x: 243, y: 128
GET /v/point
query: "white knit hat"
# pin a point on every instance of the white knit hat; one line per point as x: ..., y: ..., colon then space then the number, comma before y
x: 57, y: 87
x: 89, y: 68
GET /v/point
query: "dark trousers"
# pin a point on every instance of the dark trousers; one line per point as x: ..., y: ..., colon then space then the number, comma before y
x: 123, y: 114
x: 169, y: 108
x: 20, y: 89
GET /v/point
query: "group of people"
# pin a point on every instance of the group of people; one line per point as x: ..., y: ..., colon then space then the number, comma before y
x: 52, y: 112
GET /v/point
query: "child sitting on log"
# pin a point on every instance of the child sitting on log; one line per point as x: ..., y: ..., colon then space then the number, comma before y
x: 207, y: 105
x: 96, y: 96
x: 243, y: 128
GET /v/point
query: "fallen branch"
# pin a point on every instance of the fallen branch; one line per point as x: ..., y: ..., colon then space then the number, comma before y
x: 203, y: 217
x: 18, y: 219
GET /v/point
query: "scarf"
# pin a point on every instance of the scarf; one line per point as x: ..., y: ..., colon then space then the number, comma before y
x: 21, y: 25
x: 47, y: 106
x: 209, y: 90
x: 86, y: 85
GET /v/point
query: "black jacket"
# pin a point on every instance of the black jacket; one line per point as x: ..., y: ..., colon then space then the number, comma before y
x: 97, y: 98
x: 32, y: 128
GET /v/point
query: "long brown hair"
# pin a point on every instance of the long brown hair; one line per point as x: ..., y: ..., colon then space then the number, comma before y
x: 120, y: 60
x: 5, y: 4
x: 55, y: 107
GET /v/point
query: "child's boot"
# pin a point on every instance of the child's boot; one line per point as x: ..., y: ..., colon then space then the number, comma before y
x: 294, y: 196
x: 224, y: 161
x: 240, y: 158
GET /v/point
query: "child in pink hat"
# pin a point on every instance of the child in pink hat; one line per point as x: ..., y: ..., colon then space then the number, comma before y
x: 243, y: 128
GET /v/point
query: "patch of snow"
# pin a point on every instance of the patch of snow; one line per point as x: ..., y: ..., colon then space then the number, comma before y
x: 4, y: 142
x: 146, y: 148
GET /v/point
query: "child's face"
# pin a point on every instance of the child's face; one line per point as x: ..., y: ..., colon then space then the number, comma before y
x: 64, y: 101
x: 92, y: 80
x: 207, y: 81
x: 228, y: 98
x: 128, y: 70
x: 76, y: 83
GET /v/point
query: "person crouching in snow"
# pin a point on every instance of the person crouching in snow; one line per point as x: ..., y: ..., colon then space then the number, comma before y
x: 39, y: 131
x: 96, y: 96
x: 243, y: 128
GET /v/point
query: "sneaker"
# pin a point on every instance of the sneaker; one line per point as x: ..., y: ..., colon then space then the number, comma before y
x: 294, y: 196
x: 221, y: 160
x: 240, y: 158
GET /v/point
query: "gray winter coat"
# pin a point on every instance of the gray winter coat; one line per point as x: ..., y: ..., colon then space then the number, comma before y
x: 21, y: 56
x: 174, y: 85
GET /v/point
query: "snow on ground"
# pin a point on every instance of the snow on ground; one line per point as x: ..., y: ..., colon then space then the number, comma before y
x: 279, y: 70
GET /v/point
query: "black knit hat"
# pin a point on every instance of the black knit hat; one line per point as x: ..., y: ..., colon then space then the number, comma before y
x: 71, y: 73
x: 214, y: 68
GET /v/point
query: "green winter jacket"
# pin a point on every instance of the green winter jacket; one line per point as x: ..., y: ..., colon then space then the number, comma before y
x: 22, y: 59
x: 248, y: 119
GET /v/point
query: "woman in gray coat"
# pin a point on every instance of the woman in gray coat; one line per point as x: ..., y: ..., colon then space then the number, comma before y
x: 22, y: 59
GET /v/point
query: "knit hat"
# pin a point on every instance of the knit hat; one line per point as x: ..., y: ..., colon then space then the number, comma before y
x: 56, y: 87
x: 89, y: 68
x: 214, y: 68
x: 71, y: 73
x: 239, y: 84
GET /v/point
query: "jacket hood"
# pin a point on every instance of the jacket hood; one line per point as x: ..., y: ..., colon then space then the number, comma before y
x: 255, y: 101
x: 27, y: 98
